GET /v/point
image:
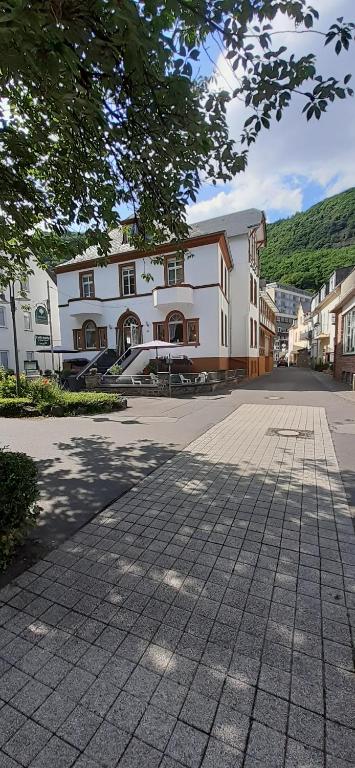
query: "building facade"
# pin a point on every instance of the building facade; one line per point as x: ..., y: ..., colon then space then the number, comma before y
x: 344, y: 356
x: 299, y: 339
x: 323, y: 316
x: 205, y: 300
x: 32, y: 322
x: 267, y: 321
x: 287, y: 299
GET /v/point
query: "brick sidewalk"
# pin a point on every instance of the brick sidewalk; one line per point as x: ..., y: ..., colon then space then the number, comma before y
x: 202, y: 620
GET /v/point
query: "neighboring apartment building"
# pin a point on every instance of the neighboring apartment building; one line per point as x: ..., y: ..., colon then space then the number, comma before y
x: 287, y: 299
x: 323, y: 318
x: 207, y: 304
x: 32, y: 322
x: 267, y: 320
x: 344, y: 363
x: 299, y: 336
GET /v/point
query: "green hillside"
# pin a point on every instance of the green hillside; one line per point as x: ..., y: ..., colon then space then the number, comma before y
x: 305, y: 249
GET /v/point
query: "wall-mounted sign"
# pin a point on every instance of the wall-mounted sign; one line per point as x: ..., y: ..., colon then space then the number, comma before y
x: 41, y: 315
x: 42, y: 341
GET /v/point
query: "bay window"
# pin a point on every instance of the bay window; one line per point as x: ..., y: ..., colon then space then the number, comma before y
x: 349, y: 332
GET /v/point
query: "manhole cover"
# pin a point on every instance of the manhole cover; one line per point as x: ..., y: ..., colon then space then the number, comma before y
x: 283, y: 432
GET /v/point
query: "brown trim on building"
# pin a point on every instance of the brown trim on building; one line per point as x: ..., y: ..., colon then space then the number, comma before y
x: 120, y: 278
x: 223, y: 243
x: 81, y: 275
x: 100, y: 337
x: 120, y: 258
x: 164, y: 326
x: 140, y: 295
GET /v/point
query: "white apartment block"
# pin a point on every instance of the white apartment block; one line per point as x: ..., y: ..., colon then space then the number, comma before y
x: 206, y: 301
x: 32, y: 322
x: 287, y: 299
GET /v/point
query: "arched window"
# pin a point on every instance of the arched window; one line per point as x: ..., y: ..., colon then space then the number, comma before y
x: 176, y: 328
x: 90, y: 334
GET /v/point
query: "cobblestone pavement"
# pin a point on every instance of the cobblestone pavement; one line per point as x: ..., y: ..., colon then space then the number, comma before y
x: 201, y: 620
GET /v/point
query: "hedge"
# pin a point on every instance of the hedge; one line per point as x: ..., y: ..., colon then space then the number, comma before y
x: 14, y: 406
x: 18, y: 508
x: 65, y: 403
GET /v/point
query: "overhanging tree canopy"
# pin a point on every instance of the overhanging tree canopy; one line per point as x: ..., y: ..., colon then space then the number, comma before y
x: 103, y: 105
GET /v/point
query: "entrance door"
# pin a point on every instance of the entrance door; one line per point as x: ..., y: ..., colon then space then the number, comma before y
x: 131, y: 333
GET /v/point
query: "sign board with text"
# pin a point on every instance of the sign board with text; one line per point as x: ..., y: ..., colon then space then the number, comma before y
x: 42, y: 340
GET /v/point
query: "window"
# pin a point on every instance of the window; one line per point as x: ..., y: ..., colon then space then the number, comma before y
x: 87, y: 285
x: 222, y: 327
x: 222, y: 272
x: 4, y: 359
x: 129, y: 231
x: 192, y: 331
x: 89, y: 329
x: 30, y: 356
x: 160, y: 331
x: 349, y: 332
x: 176, y: 328
x: 251, y: 332
x: 2, y: 317
x: 27, y: 321
x: 251, y: 290
x: 225, y: 331
x: 255, y: 334
x: 255, y: 293
x: 128, y: 280
x: 174, y: 270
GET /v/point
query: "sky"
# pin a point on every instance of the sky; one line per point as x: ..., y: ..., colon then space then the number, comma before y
x: 294, y: 164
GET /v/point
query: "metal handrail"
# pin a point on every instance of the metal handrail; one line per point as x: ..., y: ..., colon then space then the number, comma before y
x: 92, y: 362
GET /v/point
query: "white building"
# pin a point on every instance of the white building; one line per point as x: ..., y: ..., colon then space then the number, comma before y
x: 206, y: 300
x: 287, y: 299
x: 323, y: 308
x: 32, y: 321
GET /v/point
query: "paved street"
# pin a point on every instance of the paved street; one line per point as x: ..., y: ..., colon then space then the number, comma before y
x: 203, y: 619
x: 87, y: 462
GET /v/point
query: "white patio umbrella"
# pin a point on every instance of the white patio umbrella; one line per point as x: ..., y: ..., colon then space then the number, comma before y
x: 156, y: 345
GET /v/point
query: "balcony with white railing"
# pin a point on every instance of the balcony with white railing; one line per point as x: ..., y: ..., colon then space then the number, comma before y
x: 173, y: 296
x: 267, y: 323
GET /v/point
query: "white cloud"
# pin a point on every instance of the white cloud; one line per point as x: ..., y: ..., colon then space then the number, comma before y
x: 293, y: 153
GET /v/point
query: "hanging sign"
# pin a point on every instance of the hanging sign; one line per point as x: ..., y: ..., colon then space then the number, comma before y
x: 41, y: 315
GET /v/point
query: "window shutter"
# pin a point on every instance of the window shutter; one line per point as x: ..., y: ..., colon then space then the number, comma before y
x: 78, y: 338
x: 102, y: 337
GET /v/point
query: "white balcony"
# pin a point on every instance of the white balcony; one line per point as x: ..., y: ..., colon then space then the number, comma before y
x: 85, y: 307
x: 173, y: 296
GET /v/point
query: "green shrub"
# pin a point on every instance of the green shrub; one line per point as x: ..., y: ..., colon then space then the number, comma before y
x: 44, y: 390
x: 14, y: 406
x: 89, y: 402
x: 18, y: 508
x: 115, y: 370
x: 8, y: 386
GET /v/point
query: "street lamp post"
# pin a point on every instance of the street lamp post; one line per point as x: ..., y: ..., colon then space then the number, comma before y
x: 13, y: 315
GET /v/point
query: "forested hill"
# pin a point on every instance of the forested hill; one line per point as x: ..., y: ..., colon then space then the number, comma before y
x: 305, y: 249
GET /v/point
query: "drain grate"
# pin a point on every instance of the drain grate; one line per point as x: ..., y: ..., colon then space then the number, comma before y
x: 306, y: 434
